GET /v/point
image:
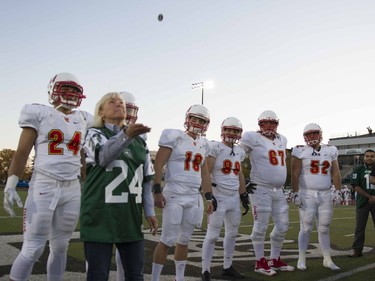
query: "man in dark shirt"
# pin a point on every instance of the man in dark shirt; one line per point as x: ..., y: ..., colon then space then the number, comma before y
x: 363, y: 182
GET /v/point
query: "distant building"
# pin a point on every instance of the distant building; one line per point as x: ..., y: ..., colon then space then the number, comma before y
x: 352, y: 147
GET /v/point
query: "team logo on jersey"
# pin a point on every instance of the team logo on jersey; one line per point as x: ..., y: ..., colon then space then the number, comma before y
x: 128, y: 153
x: 66, y: 119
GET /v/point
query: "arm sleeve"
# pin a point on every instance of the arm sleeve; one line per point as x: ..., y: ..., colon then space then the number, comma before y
x: 148, y: 199
x: 101, y: 151
x: 110, y: 150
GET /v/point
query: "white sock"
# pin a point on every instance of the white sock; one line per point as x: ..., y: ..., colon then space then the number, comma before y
x: 156, y: 271
x: 180, y: 270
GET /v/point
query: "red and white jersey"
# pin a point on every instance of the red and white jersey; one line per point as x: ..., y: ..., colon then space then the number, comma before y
x: 316, y: 166
x: 227, y: 167
x: 59, y: 141
x: 267, y: 158
x: 183, y: 169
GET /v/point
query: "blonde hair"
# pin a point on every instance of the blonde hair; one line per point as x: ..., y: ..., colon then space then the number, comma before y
x: 98, y: 120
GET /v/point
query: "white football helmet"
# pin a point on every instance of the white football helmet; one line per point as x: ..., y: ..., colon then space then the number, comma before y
x: 66, y: 100
x: 267, y: 129
x: 234, y: 124
x: 131, y: 108
x: 312, y: 140
x: 200, y: 112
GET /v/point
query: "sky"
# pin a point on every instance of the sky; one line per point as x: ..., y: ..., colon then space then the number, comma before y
x: 308, y: 61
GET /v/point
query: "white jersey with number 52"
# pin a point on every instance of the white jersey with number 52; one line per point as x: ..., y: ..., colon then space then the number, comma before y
x: 316, y: 166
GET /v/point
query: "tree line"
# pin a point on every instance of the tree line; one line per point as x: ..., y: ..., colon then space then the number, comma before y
x: 6, y: 156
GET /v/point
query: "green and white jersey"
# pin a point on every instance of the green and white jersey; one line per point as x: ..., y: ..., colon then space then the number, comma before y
x: 361, y: 177
x: 111, y: 202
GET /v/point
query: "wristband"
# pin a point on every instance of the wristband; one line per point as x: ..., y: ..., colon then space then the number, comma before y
x: 208, y: 196
x: 156, y: 188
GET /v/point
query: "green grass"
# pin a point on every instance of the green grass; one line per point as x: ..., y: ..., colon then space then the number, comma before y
x: 342, y: 229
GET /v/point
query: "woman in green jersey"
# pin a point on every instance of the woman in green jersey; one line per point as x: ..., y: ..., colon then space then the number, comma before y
x: 119, y: 169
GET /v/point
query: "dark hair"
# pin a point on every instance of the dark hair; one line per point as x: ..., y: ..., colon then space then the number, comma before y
x: 369, y: 150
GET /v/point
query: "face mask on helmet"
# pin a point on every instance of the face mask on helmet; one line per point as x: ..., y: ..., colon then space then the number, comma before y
x: 268, y: 123
x: 59, y: 93
x: 200, y: 112
x: 231, y: 130
x: 313, y: 135
x: 131, y: 108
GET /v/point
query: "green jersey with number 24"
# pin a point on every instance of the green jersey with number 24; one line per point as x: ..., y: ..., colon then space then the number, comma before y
x: 111, y: 205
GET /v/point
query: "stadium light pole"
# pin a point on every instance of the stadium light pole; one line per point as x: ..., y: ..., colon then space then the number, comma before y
x: 202, y: 85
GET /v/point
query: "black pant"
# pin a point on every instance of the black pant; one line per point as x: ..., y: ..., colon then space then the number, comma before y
x: 99, y: 258
x: 360, y: 226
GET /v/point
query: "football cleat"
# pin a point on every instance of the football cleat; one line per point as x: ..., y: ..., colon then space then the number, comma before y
x: 261, y: 266
x: 278, y: 264
x: 232, y: 272
x: 329, y: 264
x: 206, y: 276
x: 301, y: 264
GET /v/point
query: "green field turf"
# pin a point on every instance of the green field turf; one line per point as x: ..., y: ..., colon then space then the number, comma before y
x: 342, y: 229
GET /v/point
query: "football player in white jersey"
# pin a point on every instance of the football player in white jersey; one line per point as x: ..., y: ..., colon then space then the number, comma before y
x: 228, y: 186
x: 148, y: 200
x: 314, y: 169
x: 267, y: 151
x: 53, y: 203
x: 184, y: 153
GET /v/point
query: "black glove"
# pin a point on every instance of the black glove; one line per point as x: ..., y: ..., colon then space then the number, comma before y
x: 214, y: 203
x: 245, y: 202
x: 250, y: 187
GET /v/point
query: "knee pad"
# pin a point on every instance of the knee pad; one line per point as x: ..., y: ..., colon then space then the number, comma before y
x: 183, y: 238
x: 59, y: 246
x: 324, y: 229
x: 231, y: 234
x: 257, y: 236
x: 282, y: 227
x: 32, y: 250
x: 169, y: 241
x: 261, y: 228
x: 212, y: 237
x: 277, y: 235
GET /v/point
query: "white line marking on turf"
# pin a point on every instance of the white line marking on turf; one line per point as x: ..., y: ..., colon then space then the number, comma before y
x: 349, y: 273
